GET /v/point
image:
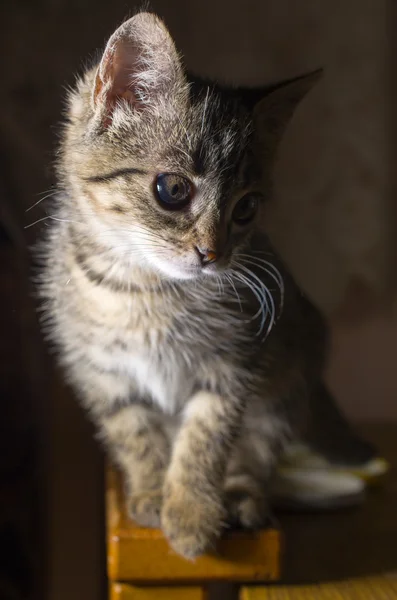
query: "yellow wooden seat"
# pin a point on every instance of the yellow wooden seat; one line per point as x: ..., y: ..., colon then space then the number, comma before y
x: 122, y: 591
x: 367, y: 588
x: 142, y: 557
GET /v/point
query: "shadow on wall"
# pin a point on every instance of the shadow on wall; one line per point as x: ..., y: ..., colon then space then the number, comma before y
x: 362, y: 371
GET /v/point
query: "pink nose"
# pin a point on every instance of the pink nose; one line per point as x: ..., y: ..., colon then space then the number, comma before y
x: 206, y: 256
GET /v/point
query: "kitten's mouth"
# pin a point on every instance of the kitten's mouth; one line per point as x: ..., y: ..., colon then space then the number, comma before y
x: 210, y: 268
x: 199, y: 271
x: 175, y: 268
x: 196, y: 271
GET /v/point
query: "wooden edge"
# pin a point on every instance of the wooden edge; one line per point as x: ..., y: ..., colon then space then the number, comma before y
x: 365, y: 588
x: 142, y: 556
x: 120, y: 591
x: 156, y: 564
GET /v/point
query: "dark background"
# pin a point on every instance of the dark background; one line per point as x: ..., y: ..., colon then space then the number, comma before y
x: 47, y: 457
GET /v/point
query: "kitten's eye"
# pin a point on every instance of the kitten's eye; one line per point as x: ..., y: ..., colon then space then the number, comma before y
x: 173, y: 191
x: 245, y: 209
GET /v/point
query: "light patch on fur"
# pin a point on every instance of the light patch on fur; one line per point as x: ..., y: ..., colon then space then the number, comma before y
x: 201, y: 406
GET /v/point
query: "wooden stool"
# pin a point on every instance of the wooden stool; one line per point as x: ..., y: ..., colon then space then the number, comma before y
x: 367, y: 588
x: 141, y: 563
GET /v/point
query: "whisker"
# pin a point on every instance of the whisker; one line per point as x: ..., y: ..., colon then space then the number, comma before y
x: 204, y: 111
x: 276, y: 276
x: 230, y: 280
x: 265, y: 262
x: 184, y: 129
x: 257, y: 294
x: 44, y: 191
x: 268, y: 296
x: 268, y: 252
x: 37, y: 221
x: 48, y: 195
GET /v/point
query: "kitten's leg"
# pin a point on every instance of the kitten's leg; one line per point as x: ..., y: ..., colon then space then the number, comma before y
x: 251, y: 466
x: 139, y: 444
x: 193, y: 510
x: 134, y: 436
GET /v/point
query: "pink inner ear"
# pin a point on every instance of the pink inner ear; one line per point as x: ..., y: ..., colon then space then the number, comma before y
x: 114, y: 79
x: 139, y: 64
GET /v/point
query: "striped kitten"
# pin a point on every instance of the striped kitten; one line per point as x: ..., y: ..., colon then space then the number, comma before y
x: 162, y: 295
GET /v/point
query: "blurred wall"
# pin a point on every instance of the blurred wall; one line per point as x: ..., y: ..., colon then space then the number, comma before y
x: 362, y: 371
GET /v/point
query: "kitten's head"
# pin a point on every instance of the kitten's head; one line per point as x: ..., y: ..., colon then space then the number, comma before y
x: 169, y: 172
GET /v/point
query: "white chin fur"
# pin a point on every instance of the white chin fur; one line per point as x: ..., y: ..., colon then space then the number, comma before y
x: 174, y: 271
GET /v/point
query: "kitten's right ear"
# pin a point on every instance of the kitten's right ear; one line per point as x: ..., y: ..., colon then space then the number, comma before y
x: 280, y: 101
x: 140, y: 64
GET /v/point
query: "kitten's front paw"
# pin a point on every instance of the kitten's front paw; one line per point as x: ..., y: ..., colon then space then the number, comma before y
x: 246, y: 505
x: 191, y: 522
x: 145, y: 508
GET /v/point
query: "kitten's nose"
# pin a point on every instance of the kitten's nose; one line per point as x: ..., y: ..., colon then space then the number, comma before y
x: 206, y: 256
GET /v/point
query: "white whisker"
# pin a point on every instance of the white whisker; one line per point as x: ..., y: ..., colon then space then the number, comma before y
x: 276, y: 275
x: 204, y: 111
x: 48, y: 195
x: 267, y: 297
x: 229, y: 278
x: 257, y: 293
x: 36, y: 222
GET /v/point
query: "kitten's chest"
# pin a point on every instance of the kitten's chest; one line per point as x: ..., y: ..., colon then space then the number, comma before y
x: 164, y: 345
x: 143, y: 342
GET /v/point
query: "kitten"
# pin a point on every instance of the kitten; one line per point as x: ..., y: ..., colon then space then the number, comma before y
x: 162, y: 293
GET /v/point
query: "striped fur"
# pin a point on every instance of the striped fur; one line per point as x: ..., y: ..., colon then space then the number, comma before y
x: 194, y: 379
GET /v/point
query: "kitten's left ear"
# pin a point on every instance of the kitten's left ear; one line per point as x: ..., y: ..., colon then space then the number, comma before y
x: 275, y: 110
x: 139, y: 65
